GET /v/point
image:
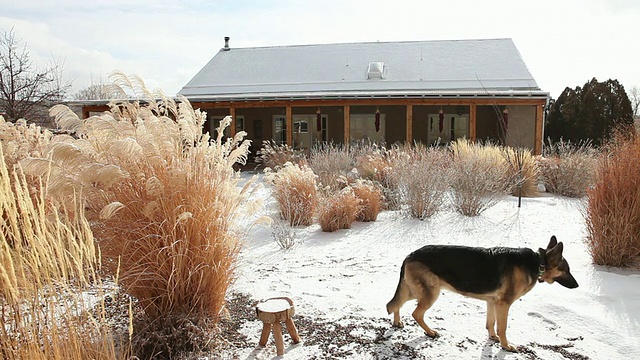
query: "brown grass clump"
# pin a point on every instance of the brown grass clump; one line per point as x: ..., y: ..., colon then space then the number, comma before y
x: 272, y: 155
x: 338, y: 211
x: 20, y: 140
x: 370, y: 197
x: 163, y: 201
x: 613, y: 209
x: 295, y: 191
x: 480, y: 177
x: 332, y: 163
x: 568, y: 169
x: 46, y: 260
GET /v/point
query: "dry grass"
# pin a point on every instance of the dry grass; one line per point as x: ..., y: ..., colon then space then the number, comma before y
x: 332, y: 163
x: 338, y: 211
x: 272, y: 155
x: 370, y: 199
x: 162, y: 198
x: 46, y: 260
x: 480, y: 178
x: 613, y: 209
x: 568, y: 169
x: 295, y: 191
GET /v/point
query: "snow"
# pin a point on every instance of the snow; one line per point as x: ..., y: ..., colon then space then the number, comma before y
x: 348, y: 276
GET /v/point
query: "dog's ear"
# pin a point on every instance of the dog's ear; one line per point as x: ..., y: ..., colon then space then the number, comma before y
x: 554, y: 255
x: 552, y: 243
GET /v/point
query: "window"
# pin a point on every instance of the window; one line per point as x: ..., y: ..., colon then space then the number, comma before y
x: 280, y: 129
x: 301, y: 127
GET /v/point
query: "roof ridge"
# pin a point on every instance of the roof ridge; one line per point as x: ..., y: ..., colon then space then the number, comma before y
x: 371, y: 42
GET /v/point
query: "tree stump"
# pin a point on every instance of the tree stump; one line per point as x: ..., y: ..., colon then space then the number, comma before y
x: 272, y: 312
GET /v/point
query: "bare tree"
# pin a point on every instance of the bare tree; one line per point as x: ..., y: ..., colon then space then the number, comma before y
x: 634, y: 96
x: 98, y: 89
x: 26, y: 89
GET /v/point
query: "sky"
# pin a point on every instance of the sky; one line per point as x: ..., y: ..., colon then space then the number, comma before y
x: 565, y: 43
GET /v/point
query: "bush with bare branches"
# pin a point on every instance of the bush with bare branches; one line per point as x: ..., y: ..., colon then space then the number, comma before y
x: 423, y: 175
x: 370, y: 197
x: 332, y: 163
x: 480, y: 177
x: 273, y: 155
x: 613, y: 208
x: 295, y: 191
x: 338, y: 211
x: 568, y: 169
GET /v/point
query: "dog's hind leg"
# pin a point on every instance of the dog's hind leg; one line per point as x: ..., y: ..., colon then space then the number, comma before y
x: 426, y: 298
x: 491, y: 321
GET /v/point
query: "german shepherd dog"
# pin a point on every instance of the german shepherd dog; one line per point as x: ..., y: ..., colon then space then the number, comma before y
x: 498, y: 275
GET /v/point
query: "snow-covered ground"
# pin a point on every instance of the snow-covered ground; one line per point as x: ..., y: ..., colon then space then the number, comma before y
x: 343, y: 280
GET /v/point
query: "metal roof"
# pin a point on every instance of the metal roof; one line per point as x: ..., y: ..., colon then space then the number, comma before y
x: 455, y: 68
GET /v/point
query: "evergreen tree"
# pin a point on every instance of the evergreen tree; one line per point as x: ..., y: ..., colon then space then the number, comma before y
x: 589, y: 112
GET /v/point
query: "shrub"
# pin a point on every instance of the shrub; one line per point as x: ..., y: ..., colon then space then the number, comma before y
x: 338, y: 211
x: 332, y: 163
x: 273, y: 156
x: 423, y: 175
x: 480, y: 177
x: 295, y: 191
x: 370, y: 199
x: 163, y: 200
x: 568, y: 169
x: 613, y: 207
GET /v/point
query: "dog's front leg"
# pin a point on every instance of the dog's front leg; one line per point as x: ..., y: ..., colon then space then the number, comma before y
x: 502, y: 313
x: 491, y: 321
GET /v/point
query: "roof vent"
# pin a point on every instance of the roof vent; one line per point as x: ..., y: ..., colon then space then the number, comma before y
x: 375, y: 70
x: 226, y: 44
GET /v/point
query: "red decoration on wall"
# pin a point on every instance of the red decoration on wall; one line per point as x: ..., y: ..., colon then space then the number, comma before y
x: 505, y: 119
x: 441, y: 120
x: 377, y: 120
x: 318, y: 120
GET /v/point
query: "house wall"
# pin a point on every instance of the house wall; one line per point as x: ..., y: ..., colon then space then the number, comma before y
x: 522, y: 126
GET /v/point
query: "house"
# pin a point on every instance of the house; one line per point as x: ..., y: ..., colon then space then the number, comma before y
x: 392, y: 92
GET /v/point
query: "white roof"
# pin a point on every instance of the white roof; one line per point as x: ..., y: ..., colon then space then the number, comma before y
x: 414, y: 68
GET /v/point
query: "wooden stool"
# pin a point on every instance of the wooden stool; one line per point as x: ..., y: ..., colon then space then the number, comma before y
x: 272, y: 312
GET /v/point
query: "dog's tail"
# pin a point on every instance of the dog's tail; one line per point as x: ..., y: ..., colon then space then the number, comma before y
x: 397, y: 300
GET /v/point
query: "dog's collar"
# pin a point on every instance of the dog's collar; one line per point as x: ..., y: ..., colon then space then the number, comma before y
x: 542, y: 254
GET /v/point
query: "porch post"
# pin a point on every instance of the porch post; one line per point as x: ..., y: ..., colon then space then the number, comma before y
x: 347, y: 125
x: 232, y: 113
x: 409, y: 123
x: 537, y: 147
x: 472, y: 122
x: 289, y: 120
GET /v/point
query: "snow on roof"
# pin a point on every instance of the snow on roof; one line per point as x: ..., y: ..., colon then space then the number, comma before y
x: 487, y: 66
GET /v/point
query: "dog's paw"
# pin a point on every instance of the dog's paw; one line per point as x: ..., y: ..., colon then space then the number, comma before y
x: 399, y: 325
x: 433, y: 334
x: 494, y: 337
x: 509, y: 348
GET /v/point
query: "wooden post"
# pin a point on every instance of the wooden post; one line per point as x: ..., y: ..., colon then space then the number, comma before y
x: 409, y: 124
x: 289, y: 120
x: 347, y: 125
x: 472, y: 122
x: 537, y: 147
x: 277, y: 335
x: 232, y: 113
